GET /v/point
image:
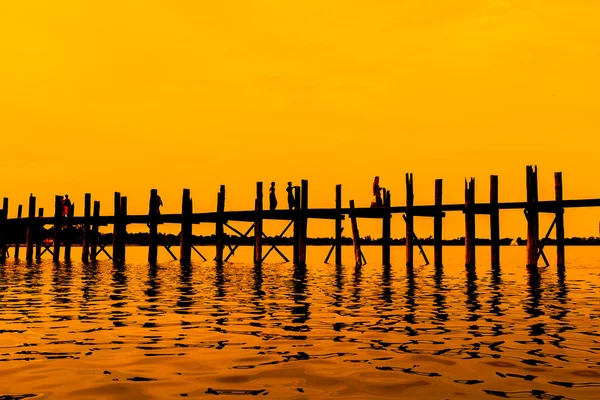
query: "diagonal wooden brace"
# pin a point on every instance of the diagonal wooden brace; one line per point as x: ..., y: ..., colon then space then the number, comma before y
x: 418, y: 243
x: 273, y: 247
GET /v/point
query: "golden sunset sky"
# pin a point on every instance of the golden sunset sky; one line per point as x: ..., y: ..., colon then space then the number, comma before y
x: 128, y: 95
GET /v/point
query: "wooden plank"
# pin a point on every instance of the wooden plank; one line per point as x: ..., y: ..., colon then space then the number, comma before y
x: 57, y: 227
x: 437, y: 225
x: 409, y: 221
x: 494, y: 221
x: 219, y: 225
x: 386, y: 230
x: 39, y: 230
x: 3, y: 229
x: 185, y: 241
x: 123, y: 229
x: 31, y: 229
x: 116, y: 243
x: 297, y: 223
x: 18, y: 233
x: 303, y: 223
x: 68, y: 231
x: 532, y: 216
x: 258, y: 224
x: 469, y: 223
x: 338, y: 226
x: 87, y: 210
x: 560, y: 223
x: 153, y: 227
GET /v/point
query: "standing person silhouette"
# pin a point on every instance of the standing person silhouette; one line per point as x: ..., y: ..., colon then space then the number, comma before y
x: 159, y: 204
x: 377, y: 193
x: 290, y: 193
x: 66, y: 203
x: 272, y: 197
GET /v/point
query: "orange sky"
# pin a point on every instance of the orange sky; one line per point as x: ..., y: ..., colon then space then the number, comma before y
x: 98, y: 96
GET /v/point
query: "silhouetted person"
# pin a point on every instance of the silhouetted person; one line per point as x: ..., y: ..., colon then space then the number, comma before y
x: 378, y: 202
x: 66, y: 203
x: 272, y: 197
x: 159, y: 204
x: 290, y: 192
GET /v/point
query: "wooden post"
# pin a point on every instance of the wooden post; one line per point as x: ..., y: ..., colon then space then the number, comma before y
x: 437, y: 225
x: 338, y: 226
x: 494, y: 221
x: 69, y: 231
x: 219, y: 225
x: 18, y: 232
x: 297, y: 224
x: 409, y: 220
x: 355, y: 236
x: 532, y: 217
x: 58, y: 207
x: 258, y: 224
x: 185, y: 242
x: 116, y: 244
x: 470, y: 223
x: 153, y: 225
x: 560, y: 223
x: 3, y: 219
x: 303, y: 223
x: 386, y: 230
x: 94, y: 238
x: 123, y: 228
x: 30, y: 229
x: 39, y: 231
x: 85, y: 244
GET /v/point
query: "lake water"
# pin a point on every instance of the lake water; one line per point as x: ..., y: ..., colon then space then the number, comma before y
x: 74, y: 331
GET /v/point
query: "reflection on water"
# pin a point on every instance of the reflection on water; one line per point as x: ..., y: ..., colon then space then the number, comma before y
x: 73, y: 331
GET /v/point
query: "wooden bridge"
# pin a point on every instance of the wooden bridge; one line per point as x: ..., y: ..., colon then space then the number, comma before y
x: 298, y: 217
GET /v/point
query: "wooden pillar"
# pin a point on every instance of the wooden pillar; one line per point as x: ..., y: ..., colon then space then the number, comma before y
x: 69, y: 231
x: 18, y: 232
x: 409, y: 220
x: 437, y: 225
x: 39, y: 231
x: 470, y: 223
x: 116, y: 243
x: 85, y: 245
x: 532, y: 217
x: 386, y: 230
x: 30, y: 229
x: 560, y: 222
x: 3, y: 229
x: 153, y: 225
x: 258, y: 224
x: 297, y: 224
x: 94, y: 235
x: 303, y: 223
x: 185, y: 243
x: 338, y: 226
x: 494, y: 221
x: 58, y: 207
x: 123, y: 228
x: 219, y: 225
x: 355, y: 236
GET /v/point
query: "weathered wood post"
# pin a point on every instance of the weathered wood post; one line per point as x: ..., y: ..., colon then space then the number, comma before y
x: 560, y: 222
x: 18, y: 232
x: 338, y: 225
x: 219, y: 225
x: 386, y: 229
x: 69, y: 231
x: 85, y: 245
x: 185, y: 242
x: 494, y: 221
x: 470, y: 223
x: 58, y: 207
x: 39, y: 231
x: 123, y: 228
x: 437, y: 225
x: 409, y: 220
x: 153, y: 225
x: 532, y: 217
x: 3, y: 219
x: 355, y: 236
x: 116, y: 244
x: 30, y: 229
x: 297, y: 224
x: 258, y: 224
x: 94, y: 238
x: 303, y: 223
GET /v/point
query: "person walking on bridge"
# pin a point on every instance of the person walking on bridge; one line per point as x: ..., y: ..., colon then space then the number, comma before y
x: 272, y: 197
